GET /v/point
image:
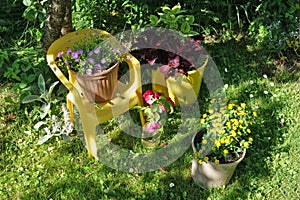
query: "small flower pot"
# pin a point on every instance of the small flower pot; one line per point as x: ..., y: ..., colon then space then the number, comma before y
x: 100, y: 86
x: 182, y: 89
x: 151, y: 140
x: 209, y: 174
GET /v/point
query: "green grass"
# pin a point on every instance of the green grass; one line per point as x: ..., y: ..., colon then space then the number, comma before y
x: 59, y: 170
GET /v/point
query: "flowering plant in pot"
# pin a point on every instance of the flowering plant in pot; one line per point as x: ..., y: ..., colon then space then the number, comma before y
x: 174, y: 60
x: 94, y: 61
x: 222, y: 142
x: 155, y: 111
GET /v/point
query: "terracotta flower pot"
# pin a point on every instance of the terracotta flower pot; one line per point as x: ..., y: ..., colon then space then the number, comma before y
x: 209, y: 174
x: 100, y: 86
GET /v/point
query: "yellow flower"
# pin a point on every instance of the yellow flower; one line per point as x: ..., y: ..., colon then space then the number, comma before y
x: 227, y: 140
x: 240, y: 108
x: 223, y: 131
x: 230, y: 106
x: 202, y: 121
x: 217, y: 143
x: 204, y: 115
x: 241, y: 121
x: 222, y: 141
x: 205, y: 158
x: 254, y: 114
x: 210, y: 111
x: 217, y: 162
x: 250, y: 139
x: 233, y: 133
x: 204, y: 141
x: 248, y: 130
x: 225, y: 151
x: 241, y: 113
x: 243, y: 105
x: 239, y: 132
x: 228, y: 124
x: 234, y: 128
x: 246, y: 144
x: 213, y: 149
x: 200, y: 162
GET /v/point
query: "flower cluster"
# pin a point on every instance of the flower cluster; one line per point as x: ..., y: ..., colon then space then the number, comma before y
x: 179, y: 56
x: 227, y: 133
x: 157, y: 105
x: 93, y: 54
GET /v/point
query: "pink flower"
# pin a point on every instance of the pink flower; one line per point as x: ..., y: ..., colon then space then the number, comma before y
x: 173, y: 63
x: 152, y: 127
x: 149, y: 96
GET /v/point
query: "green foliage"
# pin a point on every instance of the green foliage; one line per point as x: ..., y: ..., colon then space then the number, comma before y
x: 45, y: 97
x: 175, y: 18
x: 56, y: 126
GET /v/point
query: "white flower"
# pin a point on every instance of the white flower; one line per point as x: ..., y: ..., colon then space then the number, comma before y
x: 172, y: 185
x: 251, y: 95
x: 274, y: 95
x: 265, y: 76
x: 226, y: 70
x: 131, y: 170
x: 272, y: 84
x: 266, y: 92
x: 251, y: 82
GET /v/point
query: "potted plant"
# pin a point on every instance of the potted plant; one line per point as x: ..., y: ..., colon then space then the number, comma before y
x: 178, y: 61
x: 93, y: 61
x: 157, y: 106
x: 221, y: 143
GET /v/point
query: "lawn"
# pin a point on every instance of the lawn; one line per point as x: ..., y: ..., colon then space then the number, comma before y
x: 60, y: 170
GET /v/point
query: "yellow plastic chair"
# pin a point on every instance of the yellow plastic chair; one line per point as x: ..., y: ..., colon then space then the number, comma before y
x: 129, y: 94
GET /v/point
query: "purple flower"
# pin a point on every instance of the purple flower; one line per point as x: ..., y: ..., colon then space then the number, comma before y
x: 74, y: 55
x: 60, y: 54
x: 90, y: 53
x: 152, y: 127
x: 116, y: 50
x: 103, y: 60
x: 128, y: 57
x: 98, y: 67
x: 79, y: 51
x: 91, y: 60
x: 83, y: 63
x: 69, y: 51
x: 89, y: 72
x: 97, y: 50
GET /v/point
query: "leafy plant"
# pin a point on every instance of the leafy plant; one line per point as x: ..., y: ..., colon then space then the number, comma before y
x: 56, y: 127
x: 175, y: 18
x: 227, y: 132
x: 44, y: 97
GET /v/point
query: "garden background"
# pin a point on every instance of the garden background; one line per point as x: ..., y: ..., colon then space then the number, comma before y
x: 255, y: 45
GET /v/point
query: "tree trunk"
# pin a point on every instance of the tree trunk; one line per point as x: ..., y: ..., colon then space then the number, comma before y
x: 58, y: 21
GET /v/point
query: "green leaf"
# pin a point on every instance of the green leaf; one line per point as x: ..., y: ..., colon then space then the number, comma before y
x: 44, y: 139
x: 185, y: 28
x: 44, y: 110
x: 51, y: 89
x: 190, y: 19
x: 66, y: 138
x: 41, y: 84
x: 39, y: 124
x: 9, y: 100
x: 30, y: 98
x: 27, y: 2
x: 154, y: 19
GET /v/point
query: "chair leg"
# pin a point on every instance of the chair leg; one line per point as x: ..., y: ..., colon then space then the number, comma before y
x: 89, y: 124
x: 70, y: 109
